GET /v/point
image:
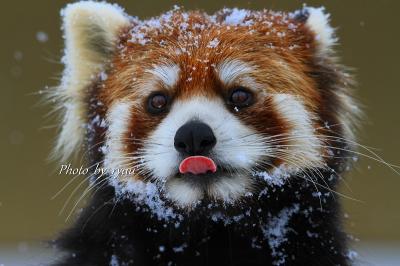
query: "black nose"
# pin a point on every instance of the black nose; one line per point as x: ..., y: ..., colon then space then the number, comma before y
x: 194, y: 138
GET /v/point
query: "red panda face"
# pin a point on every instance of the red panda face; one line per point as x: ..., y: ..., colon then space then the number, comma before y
x: 255, y: 93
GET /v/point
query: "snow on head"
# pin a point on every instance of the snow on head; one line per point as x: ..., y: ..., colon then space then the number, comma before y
x: 188, y: 24
x: 236, y: 17
x: 192, y: 30
x: 214, y: 43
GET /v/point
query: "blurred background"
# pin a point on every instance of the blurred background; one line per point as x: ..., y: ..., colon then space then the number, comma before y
x: 30, y: 50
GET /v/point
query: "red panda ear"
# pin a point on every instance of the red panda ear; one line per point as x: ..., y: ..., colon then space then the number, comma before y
x: 91, y: 30
x: 347, y: 110
x: 317, y: 21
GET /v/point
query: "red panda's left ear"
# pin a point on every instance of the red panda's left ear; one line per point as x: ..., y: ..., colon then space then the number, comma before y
x: 91, y: 31
x: 318, y: 21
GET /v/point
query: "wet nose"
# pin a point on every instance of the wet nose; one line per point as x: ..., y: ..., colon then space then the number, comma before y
x: 194, y: 138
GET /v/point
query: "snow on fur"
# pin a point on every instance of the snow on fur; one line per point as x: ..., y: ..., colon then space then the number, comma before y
x: 83, y: 63
x: 276, y: 232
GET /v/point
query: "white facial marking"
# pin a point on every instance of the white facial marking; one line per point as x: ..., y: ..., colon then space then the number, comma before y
x: 126, y: 186
x: 118, y: 120
x: 304, y: 148
x: 183, y: 192
x: 235, y: 72
x: 231, y: 188
x: 238, y: 147
x: 166, y: 73
x: 231, y: 70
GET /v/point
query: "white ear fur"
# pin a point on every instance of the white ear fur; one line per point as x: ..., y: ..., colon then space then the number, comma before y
x: 90, y: 31
x: 318, y: 23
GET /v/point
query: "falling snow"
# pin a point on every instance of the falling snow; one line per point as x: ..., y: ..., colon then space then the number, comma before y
x: 42, y: 36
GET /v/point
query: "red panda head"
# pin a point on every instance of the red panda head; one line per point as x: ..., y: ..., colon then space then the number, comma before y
x: 257, y: 93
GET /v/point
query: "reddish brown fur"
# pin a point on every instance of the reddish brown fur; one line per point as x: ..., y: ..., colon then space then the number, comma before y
x: 281, y: 64
x: 130, y: 224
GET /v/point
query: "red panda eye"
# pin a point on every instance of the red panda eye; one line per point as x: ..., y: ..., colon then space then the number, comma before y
x: 240, y: 97
x: 157, y: 103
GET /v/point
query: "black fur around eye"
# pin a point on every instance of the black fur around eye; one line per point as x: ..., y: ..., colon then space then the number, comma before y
x: 157, y: 103
x: 240, y: 97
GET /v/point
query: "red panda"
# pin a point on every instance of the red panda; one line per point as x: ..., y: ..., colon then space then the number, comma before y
x: 235, y: 127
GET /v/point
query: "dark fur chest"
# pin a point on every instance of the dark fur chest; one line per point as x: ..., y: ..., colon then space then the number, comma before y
x: 293, y: 224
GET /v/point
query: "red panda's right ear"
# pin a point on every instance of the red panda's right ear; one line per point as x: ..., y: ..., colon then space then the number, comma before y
x: 91, y: 30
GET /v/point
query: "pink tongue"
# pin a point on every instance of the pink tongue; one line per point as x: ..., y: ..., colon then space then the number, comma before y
x: 197, y: 165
